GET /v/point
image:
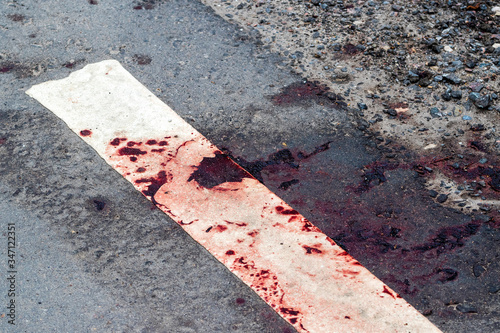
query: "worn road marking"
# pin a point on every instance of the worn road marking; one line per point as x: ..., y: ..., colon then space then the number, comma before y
x: 291, y: 264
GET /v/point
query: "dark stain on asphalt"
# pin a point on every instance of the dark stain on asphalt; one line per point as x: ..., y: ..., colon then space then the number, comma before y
x: 16, y: 17
x: 99, y: 204
x: 147, y: 4
x: 142, y: 59
x: 308, y: 91
x: 381, y: 212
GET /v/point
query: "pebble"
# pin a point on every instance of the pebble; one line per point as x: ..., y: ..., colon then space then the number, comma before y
x: 397, y: 8
x: 452, y: 78
x: 466, y: 308
x: 435, y: 113
x: 483, y: 102
x: 457, y: 94
x: 478, y: 270
x: 466, y: 117
x: 442, y: 198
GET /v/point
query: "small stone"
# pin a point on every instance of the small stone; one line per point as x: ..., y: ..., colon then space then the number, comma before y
x: 433, y: 194
x: 448, y: 48
x: 466, y: 117
x: 478, y: 270
x: 466, y: 308
x: 446, y: 96
x: 427, y: 312
x: 470, y: 63
x: 483, y: 160
x: 413, y: 77
x: 397, y: 8
x: 442, y: 198
x: 457, y: 94
x: 435, y: 113
x: 474, y: 96
x: 391, y: 112
x: 452, y: 78
x: 476, y: 87
x: 493, y: 289
x: 362, y: 106
x: 483, y: 102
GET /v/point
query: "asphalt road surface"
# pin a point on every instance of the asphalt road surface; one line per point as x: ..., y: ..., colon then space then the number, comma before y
x: 93, y: 254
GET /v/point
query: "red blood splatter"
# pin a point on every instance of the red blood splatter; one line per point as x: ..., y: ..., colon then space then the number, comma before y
x: 156, y: 182
x: 240, y: 301
x: 213, y: 171
x: 289, y: 311
x: 158, y: 150
x: 116, y: 141
x: 311, y: 250
x: 151, y: 142
x: 85, y: 133
x: 133, y: 158
x: 162, y: 143
x: 133, y: 143
x: 230, y: 252
x: 284, y: 211
x: 386, y: 291
x: 220, y: 228
x: 131, y: 151
x: 140, y: 170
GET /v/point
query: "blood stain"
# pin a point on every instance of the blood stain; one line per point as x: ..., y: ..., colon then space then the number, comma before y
x: 284, y: 211
x: 305, y: 91
x: 86, y: 133
x: 116, y: 141
x: 289, y: 311
x: 220, y: 228
x: 230, y: 252
x: 213, y: 171
x: 311, y: 250
x: 155, y: 184
x: 131, y: 151
x: 386, y: 291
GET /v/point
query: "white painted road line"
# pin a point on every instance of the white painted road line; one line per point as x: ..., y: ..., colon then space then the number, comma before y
x: 292, y: 265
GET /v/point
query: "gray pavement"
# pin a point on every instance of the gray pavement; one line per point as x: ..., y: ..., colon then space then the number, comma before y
x: 95, y: 255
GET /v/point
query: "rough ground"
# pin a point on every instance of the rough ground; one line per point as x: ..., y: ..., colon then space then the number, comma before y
x: 421, y: 74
